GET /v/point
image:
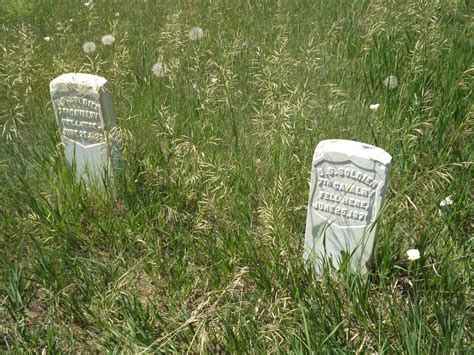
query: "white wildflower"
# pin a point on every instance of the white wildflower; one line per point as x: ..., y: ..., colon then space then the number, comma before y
x: 374, y: 107
x: 117, y: 14
x: 413, y: 254
x: 89, y: 47
x: 47, y: 38
x: 391, y: 82
x: 108, y: 40
x: 159, y: 69
x: 213, y: 79
x: 195, y: 33
x: 89, y: 3
x: 448, y: 201
x: 257, y: 161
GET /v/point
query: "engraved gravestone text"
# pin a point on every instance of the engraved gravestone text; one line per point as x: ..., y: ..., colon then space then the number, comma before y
x: 80, y: 119
x: 344, y: 194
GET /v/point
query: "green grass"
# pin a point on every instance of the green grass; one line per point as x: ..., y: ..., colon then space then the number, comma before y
x: 198, y: 247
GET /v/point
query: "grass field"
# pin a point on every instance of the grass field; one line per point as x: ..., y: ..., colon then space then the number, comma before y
x: 198, y: 247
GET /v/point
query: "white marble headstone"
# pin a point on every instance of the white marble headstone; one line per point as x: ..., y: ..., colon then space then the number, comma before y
x: 85, y: 114
x: 348, y: 183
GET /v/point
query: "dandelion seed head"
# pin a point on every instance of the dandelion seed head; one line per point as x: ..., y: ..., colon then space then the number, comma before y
x: 89, y: 47
x: 374, y: 107
x: 107, y: 40
x: 391, y: 82
x: 195, y: 33
x: 159, y: 69
x: 413, y: 254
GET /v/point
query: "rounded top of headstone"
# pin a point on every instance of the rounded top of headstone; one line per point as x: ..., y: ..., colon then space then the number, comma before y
x: 354, y: 148
x: 82, y: 79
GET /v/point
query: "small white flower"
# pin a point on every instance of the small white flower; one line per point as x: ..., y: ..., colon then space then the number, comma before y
x: 257, y: 161
x: 89, y: 47
x: 71, y: 20
x: 108, y: 40
x: 448, y: 201
x: 87, y: 3
x: 391, y: 82
x: 413, y: 254
x: 117, y: 14
x: 195, y: 33
x: 374, y: 107
x: 159, y: 69
x: 47, y: 38
x: 213, y: 79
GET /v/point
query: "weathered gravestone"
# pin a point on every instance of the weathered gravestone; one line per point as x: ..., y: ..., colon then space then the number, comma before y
x: 348, y: 183
x: 85, y: 114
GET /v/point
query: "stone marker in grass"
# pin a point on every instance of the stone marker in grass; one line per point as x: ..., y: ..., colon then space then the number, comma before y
x: 85, y: 114
x: 348, y: 183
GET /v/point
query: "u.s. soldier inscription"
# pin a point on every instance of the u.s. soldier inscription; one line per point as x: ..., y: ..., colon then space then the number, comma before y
x: 348, y: 183
x: 85, y: 113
